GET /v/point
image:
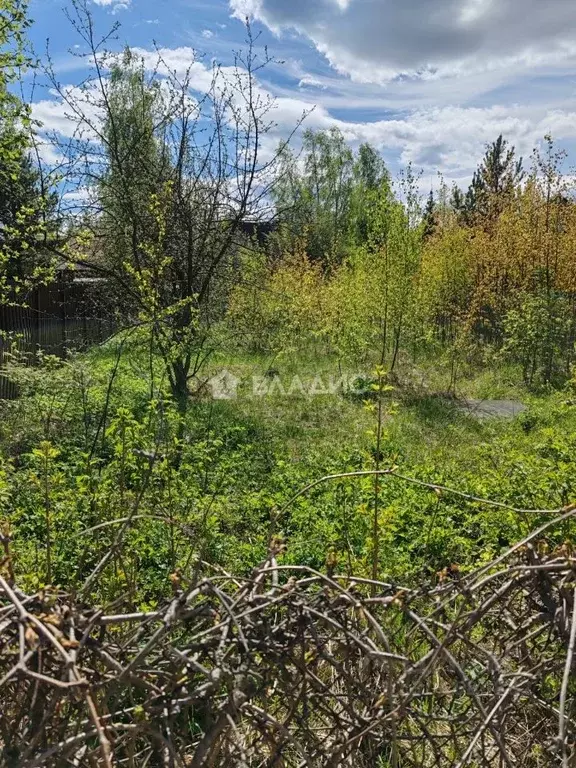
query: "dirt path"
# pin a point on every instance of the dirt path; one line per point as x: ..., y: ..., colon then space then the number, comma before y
x: 493, y: 409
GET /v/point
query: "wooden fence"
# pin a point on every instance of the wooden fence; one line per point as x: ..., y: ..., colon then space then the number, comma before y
x: 65, y: 315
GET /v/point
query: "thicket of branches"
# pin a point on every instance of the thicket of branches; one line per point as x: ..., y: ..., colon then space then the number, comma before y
x: 291, y: 667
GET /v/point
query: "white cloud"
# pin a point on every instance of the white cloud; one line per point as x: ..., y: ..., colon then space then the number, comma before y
x: 446, y: 138
x: 79, y: 196
x: 49, y: 154
x: 432, y: 81
x: 181, y: 61
x: 452, y: 139
x: 115, y: 5
x: 449, y: 138
x: 310, y: 82
x: 56, y: 116
x: 379, y: 40
x: 207, y: 34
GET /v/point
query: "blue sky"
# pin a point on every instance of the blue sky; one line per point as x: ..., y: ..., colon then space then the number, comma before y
x: 426, y: 81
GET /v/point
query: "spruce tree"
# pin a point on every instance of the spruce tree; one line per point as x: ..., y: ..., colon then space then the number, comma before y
x: 430, y: 217
x: 494, y: 182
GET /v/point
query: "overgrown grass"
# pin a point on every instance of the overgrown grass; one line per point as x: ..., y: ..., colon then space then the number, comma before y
x: 74, y: 451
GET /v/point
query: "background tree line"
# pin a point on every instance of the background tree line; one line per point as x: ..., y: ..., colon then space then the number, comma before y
x: 482, y: 275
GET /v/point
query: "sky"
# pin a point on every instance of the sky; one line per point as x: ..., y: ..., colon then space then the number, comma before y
x: 428, y: 82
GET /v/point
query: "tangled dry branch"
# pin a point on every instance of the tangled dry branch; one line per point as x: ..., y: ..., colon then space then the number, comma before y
x: 290, y: 667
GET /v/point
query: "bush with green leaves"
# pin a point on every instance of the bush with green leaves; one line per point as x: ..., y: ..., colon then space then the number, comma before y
x: 535, y: 333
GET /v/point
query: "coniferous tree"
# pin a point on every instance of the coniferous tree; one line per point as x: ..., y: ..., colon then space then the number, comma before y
x: 494, y: 182
x: 429, y: 217
x: 457, y: 200
x: 500, y: 171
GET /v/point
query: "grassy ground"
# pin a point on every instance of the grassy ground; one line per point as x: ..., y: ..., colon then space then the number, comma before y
x: 244, y: 459
x: 419, y: 419
x: 421, y: 423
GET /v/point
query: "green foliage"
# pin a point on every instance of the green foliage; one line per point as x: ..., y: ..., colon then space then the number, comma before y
x: 136, y: 171
x: 176, y: 181
x: 277, y: 309
x: 84, y: 449
x: 493, y: 184
x: 330, y: 200
x: 13, y: 24
x: 318, y: 201
x: 119, y: 463
x: 26, y: 206
x: 363, y: 307
x: 535, y: 335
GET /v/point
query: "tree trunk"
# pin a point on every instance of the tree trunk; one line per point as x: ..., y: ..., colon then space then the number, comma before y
x: 179, y: 385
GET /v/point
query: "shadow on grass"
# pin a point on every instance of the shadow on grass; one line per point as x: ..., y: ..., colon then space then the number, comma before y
x: 433, y: 409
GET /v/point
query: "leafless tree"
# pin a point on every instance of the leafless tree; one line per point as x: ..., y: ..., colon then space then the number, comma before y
x: 171, y: 164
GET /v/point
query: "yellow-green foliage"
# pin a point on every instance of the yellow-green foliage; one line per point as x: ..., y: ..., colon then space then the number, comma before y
x: 509, y: 280
x: 278, y: 308
x: 366, y: 303
x: 461, y: 283
x: 446, y: 283
x: 353, y: 300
